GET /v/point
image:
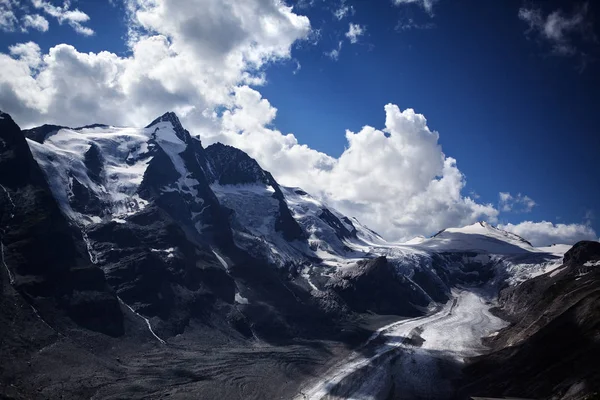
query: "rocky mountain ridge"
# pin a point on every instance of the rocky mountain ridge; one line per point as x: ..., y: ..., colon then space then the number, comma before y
x: 145, y: 236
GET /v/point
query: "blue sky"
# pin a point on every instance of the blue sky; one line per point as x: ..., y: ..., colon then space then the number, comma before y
x: 517, y: 118
x: 512, y: 88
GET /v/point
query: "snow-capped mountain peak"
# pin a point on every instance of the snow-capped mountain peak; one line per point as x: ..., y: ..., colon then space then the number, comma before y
x: 172, y: 119
x: 101, y: 173
x: 480, y: 236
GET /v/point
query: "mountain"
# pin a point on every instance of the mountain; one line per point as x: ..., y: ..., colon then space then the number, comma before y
x: 43, y: 256
x: 552, y: 346
x: 141, y: 245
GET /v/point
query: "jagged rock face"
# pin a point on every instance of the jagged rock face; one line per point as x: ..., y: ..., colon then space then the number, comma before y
x: 95, y: 164
x: 552, y: 347
x: 340, y: 228
x: 40, y: 133
x: 172, y: 119
x: 230, y: 166
x: 42, y: 255
x: 156, y: 270
x: 175, y: 179
x: 375, y: 286
x: 581, y: 253
x: 148, y: 215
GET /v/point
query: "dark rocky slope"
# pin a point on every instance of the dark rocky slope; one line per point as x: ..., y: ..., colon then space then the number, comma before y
x: 43, y: 257
x: 65, y: 333
x: 227, y: 165
x: 374, y: 286
x: 552, y: 348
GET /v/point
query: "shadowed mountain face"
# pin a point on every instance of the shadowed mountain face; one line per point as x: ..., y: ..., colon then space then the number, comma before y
x: 230, y: 166
x: 44, y: 258
x: 139, y: 245
x: 375, y: 286
x: 553, y: 344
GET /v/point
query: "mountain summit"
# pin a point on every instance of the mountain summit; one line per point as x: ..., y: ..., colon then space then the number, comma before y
x: 143, y: 243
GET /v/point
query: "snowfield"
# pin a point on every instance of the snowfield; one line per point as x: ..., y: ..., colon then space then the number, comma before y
x: 125, y: 153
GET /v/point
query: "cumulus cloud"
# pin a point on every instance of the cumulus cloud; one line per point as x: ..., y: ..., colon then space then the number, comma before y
x: 397, y: 179
x: 559, y: 29
x: 517, y: 203
x: 354, y: 32
x: 29, y: 53
x: 15, y: 15
x: 204, y: 59
x: 34, y: 21
x: 546, y: 233
x: 197, y: 57
x: 427, y: 5
x: 8, y: 19
x: 186, y: 56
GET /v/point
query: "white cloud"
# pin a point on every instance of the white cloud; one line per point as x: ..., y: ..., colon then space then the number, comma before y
x: 74, y: 18
x: 334, y: 54
x: 546, y: 233
x: 185, y: 56
x: 343, y: 11
x: 396, y: 180
x: 559, y: 29
x: 8, y: 19
x: 518, y: 203
x: 406, y: 24
x: 354, y: 32
x: 427, y: 5
x: 29, y: 53
x: 35, y: 21
x: 195, y: 57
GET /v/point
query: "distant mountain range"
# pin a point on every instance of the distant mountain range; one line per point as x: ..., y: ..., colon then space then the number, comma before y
x: 128, y: 240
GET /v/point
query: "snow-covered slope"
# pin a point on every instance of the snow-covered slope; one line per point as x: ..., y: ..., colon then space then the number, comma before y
x: 478, y: 237
x: 100, y: 173
x: 106, y: 165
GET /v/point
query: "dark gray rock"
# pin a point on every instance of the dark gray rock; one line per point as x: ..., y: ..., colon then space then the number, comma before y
x: 44, y: 254
x: 231, y: 166
x: 41, y: 133
x: 375, y: 286
x: 552, y: 346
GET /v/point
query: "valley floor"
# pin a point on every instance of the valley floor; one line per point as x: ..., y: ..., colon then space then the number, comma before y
x: 199, y: 364
x: 414, y: 358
